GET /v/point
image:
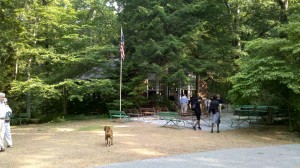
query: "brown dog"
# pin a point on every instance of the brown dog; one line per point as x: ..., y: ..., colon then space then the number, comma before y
x: 108, y: 136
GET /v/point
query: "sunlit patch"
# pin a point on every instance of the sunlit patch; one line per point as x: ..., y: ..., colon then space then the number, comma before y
x: 148, y: 152
x: 118, y: 135
x: 211, y: 161
x: 41, y: 138
x: 65, y: 129
x: 91, y: 128
x: 123, y: 135
x: 121, y: 126
x: 129, y: 143
x: 266, y: 138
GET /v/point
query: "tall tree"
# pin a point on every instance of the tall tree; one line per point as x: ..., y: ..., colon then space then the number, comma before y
x: 270, y: 70
x: 52, y: 44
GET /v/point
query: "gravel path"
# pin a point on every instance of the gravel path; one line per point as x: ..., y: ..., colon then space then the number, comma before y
x: 264, y: 157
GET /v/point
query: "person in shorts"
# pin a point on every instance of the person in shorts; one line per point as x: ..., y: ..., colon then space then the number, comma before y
x: 214, y: 109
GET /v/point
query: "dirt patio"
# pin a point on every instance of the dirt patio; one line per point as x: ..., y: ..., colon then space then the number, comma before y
x: 80, y: 144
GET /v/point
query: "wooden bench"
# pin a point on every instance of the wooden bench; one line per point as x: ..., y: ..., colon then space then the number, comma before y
x: 170, y: 117
x: 162, y: 109
x: 134, y: 113
x: 189, y: 117
x: 147, y: 111
x: 114, y: 114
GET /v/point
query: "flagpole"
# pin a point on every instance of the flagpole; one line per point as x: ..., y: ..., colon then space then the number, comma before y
x: 121, y: 84
x: 121, y: 64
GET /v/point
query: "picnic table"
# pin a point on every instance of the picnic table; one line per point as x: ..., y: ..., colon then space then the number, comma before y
x: 170, y: 117
x: 253, y: 114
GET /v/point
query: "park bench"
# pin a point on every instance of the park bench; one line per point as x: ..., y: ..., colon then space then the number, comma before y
x: 115, y: 114
x: 21, y: 117
x: 170, y: 117
x: 134, y: 113
x: 161, y: 109
x: 279, y: 114
x: 245, y: 113
x: 147, y: 111
x: 188, y: 117
x: 261, y: 114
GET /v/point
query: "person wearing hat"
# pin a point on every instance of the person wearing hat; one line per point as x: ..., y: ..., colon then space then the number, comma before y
x: 2, y: 120
x: 7, y: 134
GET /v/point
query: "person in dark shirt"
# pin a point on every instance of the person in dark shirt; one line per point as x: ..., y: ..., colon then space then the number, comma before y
x: 214, y: 109
x: 196, y: 108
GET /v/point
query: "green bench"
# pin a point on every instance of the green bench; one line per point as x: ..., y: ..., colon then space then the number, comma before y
x: 170, y: 117
x: 245, y: 113
x: 21, y: 117
x: 114, y: 114
x: 254, y: 114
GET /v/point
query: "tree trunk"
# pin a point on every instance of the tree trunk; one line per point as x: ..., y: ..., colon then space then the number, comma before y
x: 197, y: 85
x: 284, y: 5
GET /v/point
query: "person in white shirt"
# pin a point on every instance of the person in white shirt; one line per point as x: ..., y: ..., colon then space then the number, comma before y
x: 2, y: 120
x: 7, y: 134
x: 184, y: 103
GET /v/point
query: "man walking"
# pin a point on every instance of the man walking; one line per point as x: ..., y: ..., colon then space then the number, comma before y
x: 184, y: 103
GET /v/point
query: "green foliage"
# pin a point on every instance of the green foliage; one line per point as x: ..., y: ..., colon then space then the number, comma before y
x: 47, y: 46
x: 271, y: 68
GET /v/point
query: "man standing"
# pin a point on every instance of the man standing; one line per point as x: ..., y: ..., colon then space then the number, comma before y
x: 2, y: 120
x: 184, y: 103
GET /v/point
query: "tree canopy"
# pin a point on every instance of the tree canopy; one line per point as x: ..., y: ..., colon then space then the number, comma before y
x: 248, y: 51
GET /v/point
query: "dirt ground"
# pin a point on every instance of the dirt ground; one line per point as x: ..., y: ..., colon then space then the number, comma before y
x: 80, y: 144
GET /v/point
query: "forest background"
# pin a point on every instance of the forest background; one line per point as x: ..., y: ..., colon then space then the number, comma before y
x: 246, y: 50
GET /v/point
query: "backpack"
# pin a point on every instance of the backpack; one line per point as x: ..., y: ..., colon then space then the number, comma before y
x: 213, y: 107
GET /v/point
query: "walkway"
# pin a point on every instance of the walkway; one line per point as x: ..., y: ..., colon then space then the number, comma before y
x: 264, y: 157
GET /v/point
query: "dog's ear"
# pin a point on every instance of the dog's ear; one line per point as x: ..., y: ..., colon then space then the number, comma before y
x: 105, y: 128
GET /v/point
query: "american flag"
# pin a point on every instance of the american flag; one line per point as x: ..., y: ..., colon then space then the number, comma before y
x: 122, y: 46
